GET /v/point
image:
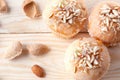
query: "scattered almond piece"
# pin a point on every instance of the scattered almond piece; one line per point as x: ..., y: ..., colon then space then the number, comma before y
x: 31, y: 9
x: 13, y: 50
x: 38, y: 71
x: 37, y: 49
x: 3, y: 6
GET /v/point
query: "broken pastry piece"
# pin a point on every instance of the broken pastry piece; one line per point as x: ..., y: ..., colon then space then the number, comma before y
x: 13, y: 50
x: 104, y: 23
x: 87, y: 59
x: 66, y: 17
x: 31, y: 9
x: 3, y: 6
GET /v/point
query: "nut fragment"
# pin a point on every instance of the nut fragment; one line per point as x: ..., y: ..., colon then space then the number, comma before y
x: 37, y: 49
x: 38, y: 71
x: 31, y: 9
x: 3, y: 6
x: 13, y: 50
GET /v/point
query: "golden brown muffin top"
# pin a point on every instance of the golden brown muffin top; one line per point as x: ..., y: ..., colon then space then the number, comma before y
x: 110, y: 18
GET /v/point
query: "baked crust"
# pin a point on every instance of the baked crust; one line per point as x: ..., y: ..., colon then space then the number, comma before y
x: 108, y: 34
x: 87, y: 72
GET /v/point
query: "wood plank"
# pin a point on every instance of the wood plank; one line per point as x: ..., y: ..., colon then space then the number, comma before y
x: 52, y: 62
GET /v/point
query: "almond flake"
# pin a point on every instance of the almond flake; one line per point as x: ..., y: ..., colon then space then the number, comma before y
x: 64, y: 19
x: 81, y: 61
x: 51, y: 15
x: 89, y: 64
x: 104, y: 29
x: 68, y: 13
x: 112, y: 15
x: 107, y: 21
x: 114, y: 20
x: 105, y: 11
x: 96, y: 62
x: 115, y: 12
x: 75, y: 54
x: 88, y: 57
x: 75, y: 69
x: 96, y: 48
x: 70, y: 21
x: 69, y: 17
x: 92, y: 58
x: 77, y: 11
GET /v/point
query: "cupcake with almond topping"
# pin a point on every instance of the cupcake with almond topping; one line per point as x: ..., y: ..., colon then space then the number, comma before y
x: 87, y: 58
x: 104, y: 23
x: 66, y: 18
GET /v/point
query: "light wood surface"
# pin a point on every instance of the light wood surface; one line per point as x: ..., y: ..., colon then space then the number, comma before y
x: 52, y: 62
x: 16, y: 26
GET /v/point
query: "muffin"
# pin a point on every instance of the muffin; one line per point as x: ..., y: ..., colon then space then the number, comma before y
x: 104, y: 23
x: 66, y: 17
x: 87, y: 59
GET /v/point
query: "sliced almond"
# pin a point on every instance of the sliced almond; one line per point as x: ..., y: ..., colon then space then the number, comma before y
x: 96, y: 48
x: 111, y: 15
x: 104, y: 29
x: 92, y: 58
x: 105, y: 11
x: 96, y: 62
x: 89, y: 64
x: 67, y: 14
x: 107, y: 21
x: 3, y: 6
x: 64, y: 19
x: 114, y: 20
x: 70, y: 21
x: 75, y: 69
x: 31, y: 9
x: 115, y: 12
x: 88, y: 57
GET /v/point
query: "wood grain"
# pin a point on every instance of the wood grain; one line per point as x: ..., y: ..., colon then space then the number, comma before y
x: 16, y: 26
x: 52, y: 62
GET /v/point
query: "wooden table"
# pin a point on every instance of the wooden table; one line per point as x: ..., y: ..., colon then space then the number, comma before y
x: 16, y: 26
